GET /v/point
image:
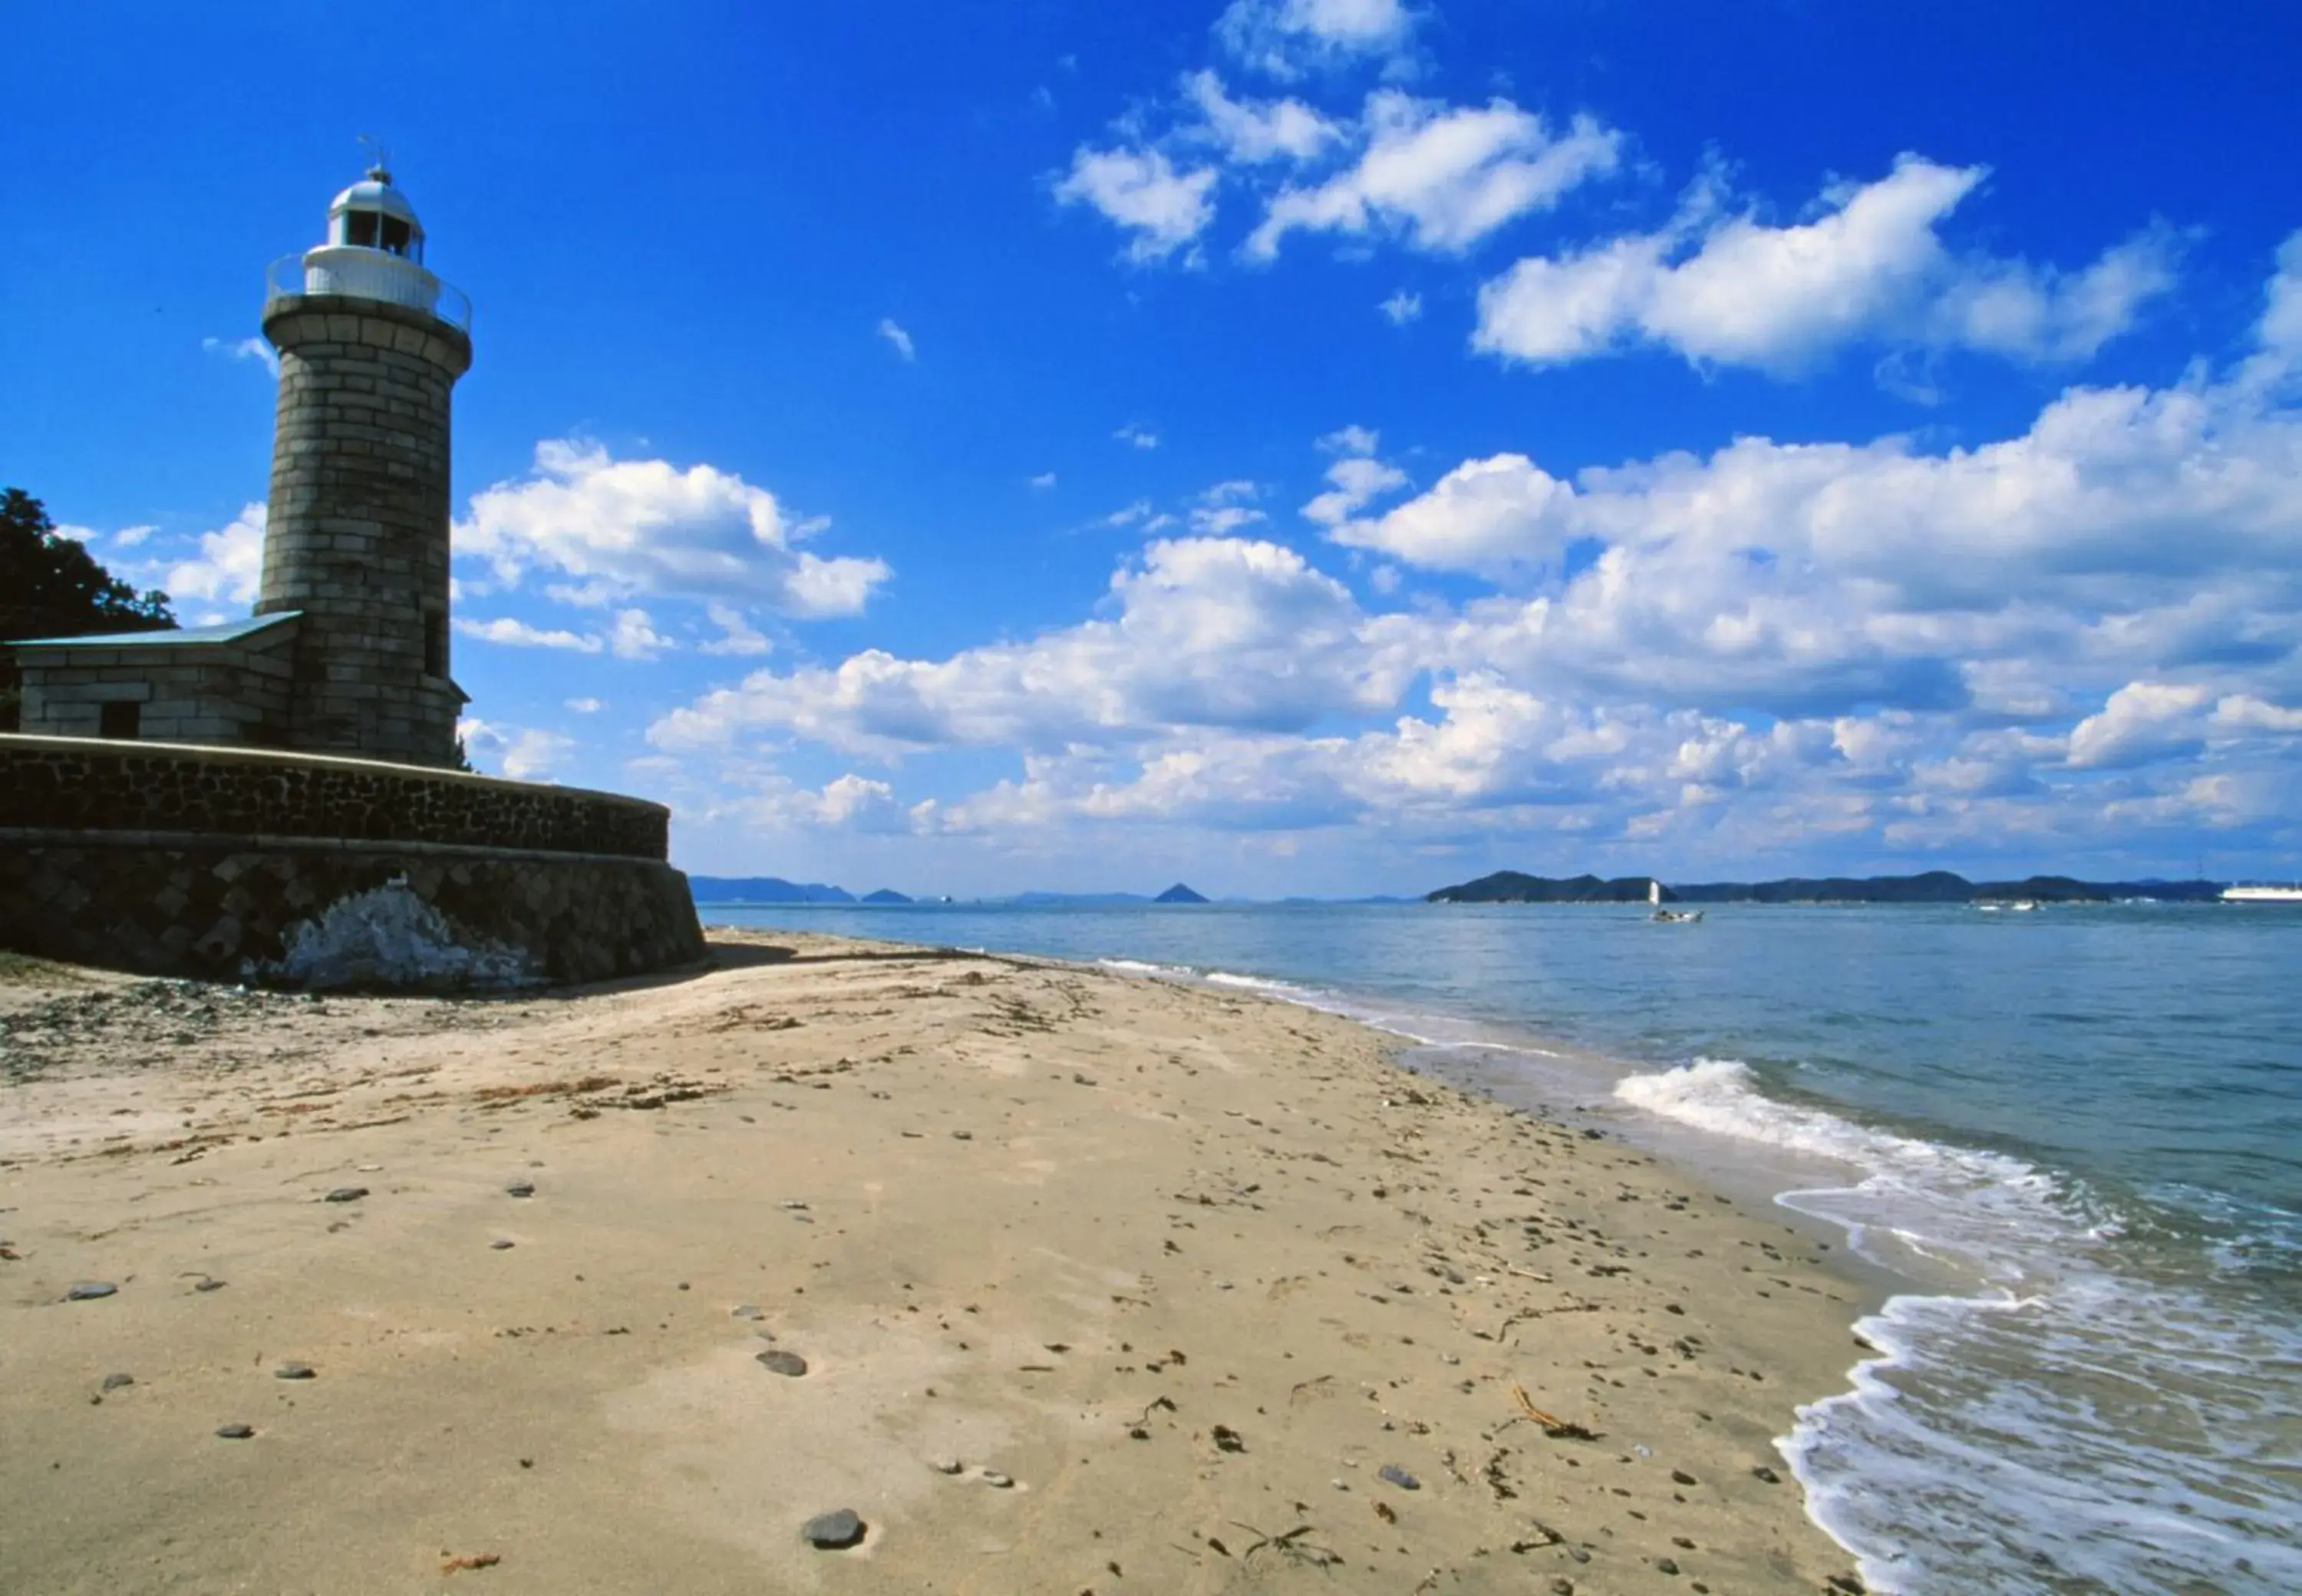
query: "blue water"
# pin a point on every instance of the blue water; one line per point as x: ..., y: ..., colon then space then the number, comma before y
x: 2073, y: 1138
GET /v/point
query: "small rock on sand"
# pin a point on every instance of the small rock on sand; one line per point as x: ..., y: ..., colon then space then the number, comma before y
x: 998, y: 1480
x: 520, y: 1189
x: 946, y: 1465
x: 346, y: 1194
x: 499, y: 1246
x: 295, y: 1371
x: 1768, y: 1474
x: 777, y: 1361
x: 747, y: 1310
x: 90, y: 1291
x: 235, y: 1431
x: 113, y: 1382
x: 1394, y: 1474
x: 833, y: 1532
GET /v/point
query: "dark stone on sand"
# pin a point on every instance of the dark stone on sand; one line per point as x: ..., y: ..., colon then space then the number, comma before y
x: 1679, y: 1476
x: 833, y: 1532
x: 1578, y: 1554
x: 520, y: 1189
x: 777, y: 1361
x: 963, y: 1136
x: 209, y: 1284
x: 295, y: 1371
x: 91, y: 1291
x: 1391, y: 1473
x: 113, y: 1382
x: 746, y: 1310
x: 499, y: 1246
x: 1768, y: 1474
x: 346, y: 1194
x: 1666, y: 1566
x: 1562, y: 1586
x: 235, y: 1431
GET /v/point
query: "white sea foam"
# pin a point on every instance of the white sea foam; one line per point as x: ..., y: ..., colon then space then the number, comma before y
x: 2066, y: 1424
x: 1139, y: 967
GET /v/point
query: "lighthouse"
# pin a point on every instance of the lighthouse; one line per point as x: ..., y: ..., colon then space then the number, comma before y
x: 355, y: 540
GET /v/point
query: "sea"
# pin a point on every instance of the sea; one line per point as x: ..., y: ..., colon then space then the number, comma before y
x: 2064, y: 1148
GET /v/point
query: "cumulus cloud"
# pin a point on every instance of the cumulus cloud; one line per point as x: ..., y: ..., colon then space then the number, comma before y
x: 1251, y: 132
x: 736, y: 636
x: 1287, y: 38
x: 1402, y: 307
x: 1442, y: 177
x: 230, y: 566
x: 520, y: 753
x: 585, y: 706
x: 1140, y: 190
x: 633, y: 527
x: 244, y: 348
x: 1208, y: 632
x: 895, y: 336
x: 633, y: 636
x: 518, y: 634
x: 1722, y: 286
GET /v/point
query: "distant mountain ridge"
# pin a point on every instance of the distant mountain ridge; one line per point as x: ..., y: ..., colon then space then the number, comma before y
x: 763, y: 889
x: 1933, y: 887
x: 1179, y: 894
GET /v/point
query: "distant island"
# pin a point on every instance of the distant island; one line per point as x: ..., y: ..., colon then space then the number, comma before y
x: 1935, y: 886
x: 886, y: 894
x: 763, y: 889
x: 1179, y: 894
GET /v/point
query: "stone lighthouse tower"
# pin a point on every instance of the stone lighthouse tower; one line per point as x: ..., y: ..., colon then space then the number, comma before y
x: 356, y: 543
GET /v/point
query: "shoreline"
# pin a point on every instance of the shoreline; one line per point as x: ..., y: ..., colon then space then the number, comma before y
x: 1009, y: 1210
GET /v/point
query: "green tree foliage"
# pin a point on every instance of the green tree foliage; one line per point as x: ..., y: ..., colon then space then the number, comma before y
x: 52, y: 587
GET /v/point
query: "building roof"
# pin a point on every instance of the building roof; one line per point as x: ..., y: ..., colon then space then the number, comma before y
x: 179, y: 637
x: 374, y: 192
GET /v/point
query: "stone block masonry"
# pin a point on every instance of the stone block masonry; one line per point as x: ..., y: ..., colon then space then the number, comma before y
x: 356, y: 532
x: 242, y: 864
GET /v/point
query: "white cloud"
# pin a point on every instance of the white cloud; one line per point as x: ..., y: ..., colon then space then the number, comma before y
x: 230, y: 566
x: 585, y: 706
x: 1352, y: 483
x: 244, y: 348
x: 1285, y: 38
x: 2281, y: 331
x: 1141, y: 437
x: 896, y: 335
x: 521, y: 753
x: 1402, y: 307
x: 518, y: 634
x: 129, y: 537
x: 737, y: 635
x: 629, y: 528
x: 1349, y: 441
x: 1443, y: 177
x: 1251, y: 132
x: 1209, y: 632
x: 633, y: 636
x: 1726, y: 286
x: 1043, y: 480
x: 1141, y: 191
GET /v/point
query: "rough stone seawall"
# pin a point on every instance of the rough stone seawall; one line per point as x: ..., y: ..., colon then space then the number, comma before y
x: 322, y: 917
x: 73, y: 783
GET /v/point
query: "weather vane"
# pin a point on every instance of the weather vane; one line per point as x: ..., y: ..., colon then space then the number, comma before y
x: 379, y: 166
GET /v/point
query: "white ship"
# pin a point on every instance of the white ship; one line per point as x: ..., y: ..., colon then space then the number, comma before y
x: 2261, y: 895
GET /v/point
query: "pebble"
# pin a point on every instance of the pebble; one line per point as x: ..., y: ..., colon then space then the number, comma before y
x: 833, y: 1532
x: 346, y: 1194
x: 1666, y: 1566
x: 499, y: 1246
x: 779, y: 1362
x: 113, y: 1382
x: 90, y: 1291
x: 1578, y: 1554
x: 1396, y: 1475
x: 946, y: 1465
x: 295, y: 1371
x: 1768, y: 1474
x: 747, y: 1310
x: 998, y: 1480
x: 235, y: 1431
x: 520, y: 1189
x: 1679, y: 1476
x: 209, y: 1283
x: 963, y: 1136
x: 1562, y: 1586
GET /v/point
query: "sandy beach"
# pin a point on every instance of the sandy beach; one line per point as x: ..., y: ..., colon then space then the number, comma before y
x: 1059, y: 1280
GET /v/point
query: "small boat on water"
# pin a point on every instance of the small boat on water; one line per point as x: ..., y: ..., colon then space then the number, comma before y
x: 2262, y: 894
x: 1668, y: 917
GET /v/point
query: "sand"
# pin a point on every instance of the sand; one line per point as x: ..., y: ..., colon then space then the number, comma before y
x: 1170, y: 1276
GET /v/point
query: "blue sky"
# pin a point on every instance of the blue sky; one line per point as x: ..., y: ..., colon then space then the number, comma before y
x: 1321, y: 446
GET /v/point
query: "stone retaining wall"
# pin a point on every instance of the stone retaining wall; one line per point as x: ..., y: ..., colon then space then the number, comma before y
x: 330, y: 915
x: 83, y: 784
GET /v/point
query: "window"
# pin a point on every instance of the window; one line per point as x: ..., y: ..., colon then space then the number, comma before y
x: 118, y: 721
x: 435, y: 644
x: 395, y: 235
